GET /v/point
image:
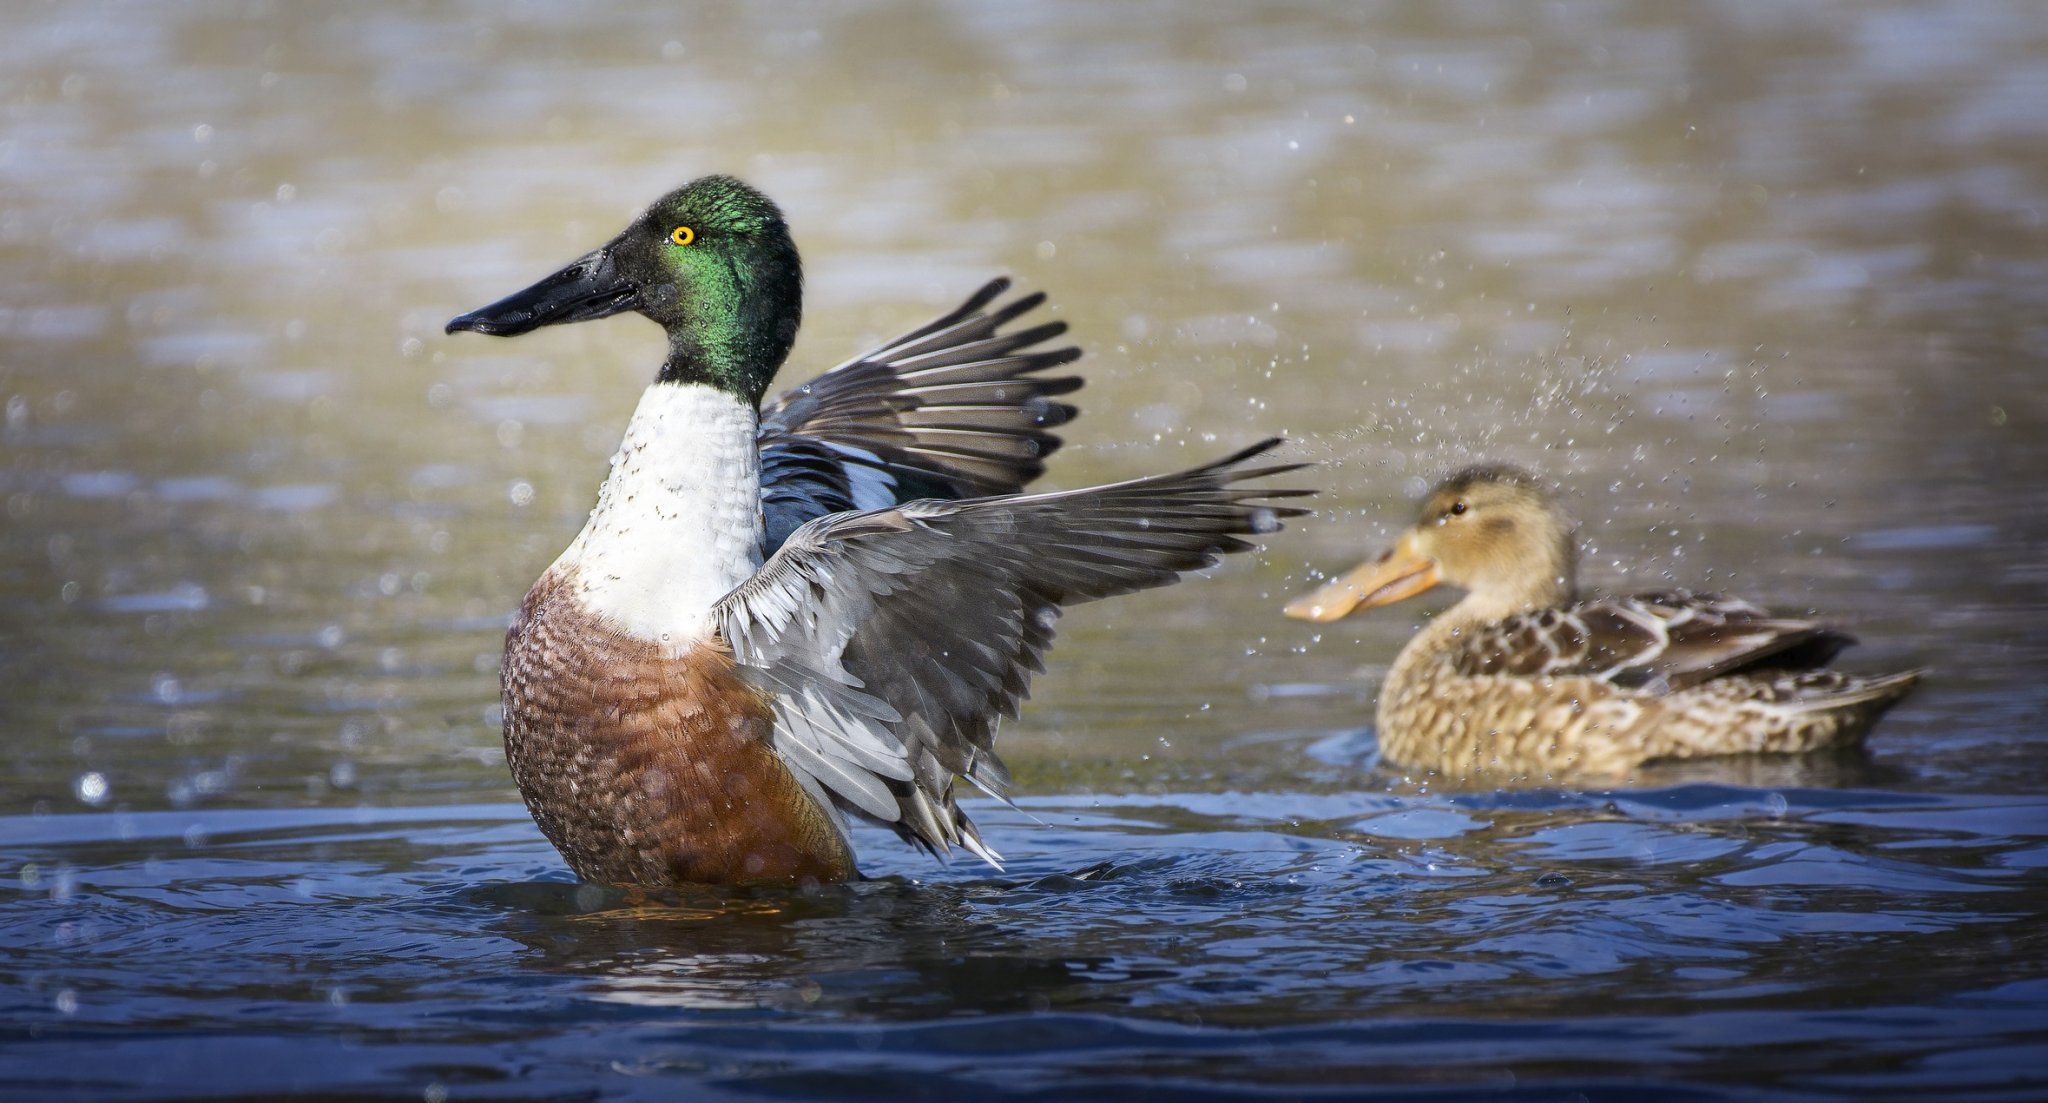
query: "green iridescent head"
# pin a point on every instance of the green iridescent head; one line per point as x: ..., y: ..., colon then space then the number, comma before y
x: 712, y: 262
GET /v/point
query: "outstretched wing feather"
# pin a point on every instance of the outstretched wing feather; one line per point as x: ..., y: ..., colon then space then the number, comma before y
x: 953, y: 409
x: 912, y: 629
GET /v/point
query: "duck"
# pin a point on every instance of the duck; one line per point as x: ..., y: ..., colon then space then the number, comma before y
x: 778, y: 620
x: 1524, y: 678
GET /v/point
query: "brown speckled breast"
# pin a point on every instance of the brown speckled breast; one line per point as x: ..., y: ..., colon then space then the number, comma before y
x: 647, y: 769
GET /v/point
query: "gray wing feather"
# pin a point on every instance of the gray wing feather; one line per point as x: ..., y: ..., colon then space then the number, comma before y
x: 953, y: 409
x: 894, y: 640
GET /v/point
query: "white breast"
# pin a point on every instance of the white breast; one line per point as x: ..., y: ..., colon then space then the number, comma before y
x: 678, y: 522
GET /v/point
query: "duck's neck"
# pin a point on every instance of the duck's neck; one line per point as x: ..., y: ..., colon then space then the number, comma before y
x: 1541, y: 574
x: 1482, y: 607
x: 1487, y: 606
x: 678, y: 522
x: 736, y: 326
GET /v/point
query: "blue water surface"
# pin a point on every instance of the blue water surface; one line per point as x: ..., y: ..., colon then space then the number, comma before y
x: 1694, y: 942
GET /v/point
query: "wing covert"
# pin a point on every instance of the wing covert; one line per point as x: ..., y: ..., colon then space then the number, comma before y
x: 894, y: 640
x: 1662, y: 641
x: 956, y: 408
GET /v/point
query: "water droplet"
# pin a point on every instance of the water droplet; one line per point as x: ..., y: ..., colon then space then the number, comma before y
x: 91, y: 787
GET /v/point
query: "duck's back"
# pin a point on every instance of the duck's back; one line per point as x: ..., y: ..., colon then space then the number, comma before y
x: 1601, y: 687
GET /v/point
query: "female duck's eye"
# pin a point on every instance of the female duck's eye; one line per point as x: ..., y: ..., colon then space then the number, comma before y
x: 1457, y: 509
x: 682, y: 235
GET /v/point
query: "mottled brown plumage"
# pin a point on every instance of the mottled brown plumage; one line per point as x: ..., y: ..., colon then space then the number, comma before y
x: 1523, y: 679
x: 647, y: 769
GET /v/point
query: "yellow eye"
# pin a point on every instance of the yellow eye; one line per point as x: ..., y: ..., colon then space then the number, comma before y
x: 682, y: 235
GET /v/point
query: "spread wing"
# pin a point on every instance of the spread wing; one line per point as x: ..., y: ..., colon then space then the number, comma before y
x: 1659, y: 641
x: 952, y: 409
x: 894, y: 640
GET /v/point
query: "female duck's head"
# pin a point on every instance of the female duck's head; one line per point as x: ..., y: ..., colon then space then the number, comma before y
x: 1494, y: 531
x: 712, y: 262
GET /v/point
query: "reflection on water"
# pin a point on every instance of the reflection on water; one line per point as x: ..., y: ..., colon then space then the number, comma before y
x: 1657, y: 935
x: 1765, y: 285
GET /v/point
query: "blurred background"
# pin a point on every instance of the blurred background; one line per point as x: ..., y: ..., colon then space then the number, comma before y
x: 1764, y: 286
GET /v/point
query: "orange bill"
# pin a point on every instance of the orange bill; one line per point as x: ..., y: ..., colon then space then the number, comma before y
x: 1399, y: 574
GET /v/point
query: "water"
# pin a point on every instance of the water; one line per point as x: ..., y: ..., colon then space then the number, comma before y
x: 1679, y: 942
x: 1765, y: 288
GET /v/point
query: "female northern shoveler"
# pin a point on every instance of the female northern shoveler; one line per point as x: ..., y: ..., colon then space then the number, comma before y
x: 1521, y: 677
x: 775, y: 619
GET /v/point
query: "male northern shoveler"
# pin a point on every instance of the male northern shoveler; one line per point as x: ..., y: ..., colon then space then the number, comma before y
x: 772, y: 620
x: 1521, y: 677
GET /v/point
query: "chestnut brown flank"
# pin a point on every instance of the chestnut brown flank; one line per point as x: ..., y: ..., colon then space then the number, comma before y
x: 650, y: 770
